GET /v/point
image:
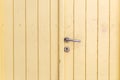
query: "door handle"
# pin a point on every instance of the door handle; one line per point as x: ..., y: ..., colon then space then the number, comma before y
x: 67, y: 39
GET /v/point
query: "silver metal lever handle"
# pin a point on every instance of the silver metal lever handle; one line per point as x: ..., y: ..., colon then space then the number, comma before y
x: 67, y: 39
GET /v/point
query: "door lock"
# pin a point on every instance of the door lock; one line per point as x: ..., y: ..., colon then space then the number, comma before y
x: 66, y: 49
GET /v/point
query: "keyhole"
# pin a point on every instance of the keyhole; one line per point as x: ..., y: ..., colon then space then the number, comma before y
x: 66, y: 49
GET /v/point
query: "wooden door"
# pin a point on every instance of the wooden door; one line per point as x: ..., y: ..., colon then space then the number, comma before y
x: 32, y: 42
x: 96, y: 24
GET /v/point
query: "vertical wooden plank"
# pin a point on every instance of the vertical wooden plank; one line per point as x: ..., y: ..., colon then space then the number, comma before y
x: 2, y: 39
x: 68, y: 28
x: 44, y: 40
x: 114, y: 39
x: 79, y: 33
x: 19, y: 40
x: 54, y: 39
x: 31, y: 30
x: 61, y: 38
x: 103, y: 40
x: 91, y: 41
x: 1, y: 52
x: 8, y: 39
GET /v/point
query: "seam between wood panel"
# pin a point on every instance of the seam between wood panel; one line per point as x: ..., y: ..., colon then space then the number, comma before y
x: 58, y: 40
x: 73, y: 38
x: 85, y: 39
x: 109, y: 40
x: 38, y: 38
x: 13, y: 39
x: 50, y: 35
x: 97, y: 39
x: 25, y: 43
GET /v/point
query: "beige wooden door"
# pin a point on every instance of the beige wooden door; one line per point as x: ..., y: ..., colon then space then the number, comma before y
x: 96, y: 24
x: 32, y: 42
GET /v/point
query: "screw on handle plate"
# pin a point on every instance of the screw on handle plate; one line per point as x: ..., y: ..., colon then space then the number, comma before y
x: 67, y: 39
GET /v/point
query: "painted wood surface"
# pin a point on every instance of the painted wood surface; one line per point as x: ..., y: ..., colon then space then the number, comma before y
x: 32, y: 39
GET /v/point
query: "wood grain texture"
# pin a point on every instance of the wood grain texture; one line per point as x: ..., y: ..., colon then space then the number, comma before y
x: 61, y: 38
x: 2, y: 21
x: 54, y: 40
x: 19, y: 40
x: 91, y: 40
x: 44, y: 40
x: 114, y: 39
x: 9, y: 22
x: 79, y: 33
x: 68, y: 32
x: 32, y: 39
x: 103, y: 40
